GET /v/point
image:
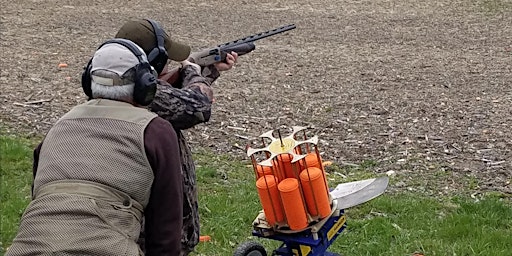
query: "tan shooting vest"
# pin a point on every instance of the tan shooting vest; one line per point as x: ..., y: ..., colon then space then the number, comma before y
x: 92, y: 183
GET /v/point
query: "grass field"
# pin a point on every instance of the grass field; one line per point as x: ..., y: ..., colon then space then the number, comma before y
x: 15, y: 183
x: 392, y: 224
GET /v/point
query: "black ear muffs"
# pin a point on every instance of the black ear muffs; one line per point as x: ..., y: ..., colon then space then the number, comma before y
x: 86, y: 80
x: 145, y: 84
x: 158, y: 56
x: 145, y: 80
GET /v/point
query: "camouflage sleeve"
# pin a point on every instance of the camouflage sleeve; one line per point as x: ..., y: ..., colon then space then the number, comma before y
x: 187, y: 106
x: 210, y: 73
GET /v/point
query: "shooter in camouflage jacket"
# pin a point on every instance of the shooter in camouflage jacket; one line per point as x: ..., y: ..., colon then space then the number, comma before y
x: 184, y: 98
x: 186, y: 107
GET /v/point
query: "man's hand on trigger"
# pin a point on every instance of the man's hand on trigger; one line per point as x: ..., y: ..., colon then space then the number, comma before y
x: 228, y: 64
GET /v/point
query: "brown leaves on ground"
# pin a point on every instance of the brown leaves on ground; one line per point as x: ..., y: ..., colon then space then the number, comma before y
x: 422, y: 88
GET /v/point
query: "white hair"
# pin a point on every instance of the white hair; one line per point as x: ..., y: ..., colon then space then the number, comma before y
x: 119, y: 92
x: 109, y: 85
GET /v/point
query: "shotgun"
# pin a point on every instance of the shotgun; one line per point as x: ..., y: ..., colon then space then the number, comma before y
x: 241, y: 46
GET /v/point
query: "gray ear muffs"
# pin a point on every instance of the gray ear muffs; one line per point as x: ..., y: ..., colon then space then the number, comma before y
x: 145, y: 80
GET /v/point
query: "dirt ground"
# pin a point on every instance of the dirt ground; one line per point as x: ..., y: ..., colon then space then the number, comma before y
x: 421, y: 88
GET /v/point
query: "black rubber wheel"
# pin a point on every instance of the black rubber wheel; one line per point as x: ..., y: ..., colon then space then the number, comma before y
x: 250, y: 248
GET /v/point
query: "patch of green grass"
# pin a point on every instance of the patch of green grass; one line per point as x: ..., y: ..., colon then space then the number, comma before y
x: 407, y: 223
x: 399, y: 224
x: 228, y: 202
x: 15, y: 183
x: 392, y: 224
x: 472, y: 182
x: 337, y: 174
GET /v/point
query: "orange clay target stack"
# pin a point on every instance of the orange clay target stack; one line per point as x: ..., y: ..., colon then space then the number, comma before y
x: 298, y: 207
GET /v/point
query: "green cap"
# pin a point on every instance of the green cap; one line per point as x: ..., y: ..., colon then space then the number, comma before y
x: 141, y: 32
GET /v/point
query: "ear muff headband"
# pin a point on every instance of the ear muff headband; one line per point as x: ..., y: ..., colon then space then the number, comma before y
x: 128, y: 44
x: 158, y: 56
